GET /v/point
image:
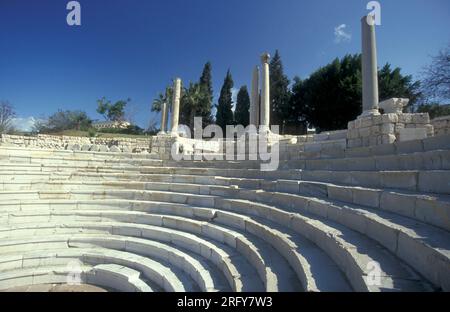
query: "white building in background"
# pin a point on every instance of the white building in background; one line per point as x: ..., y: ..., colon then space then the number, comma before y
x: 111, y: 125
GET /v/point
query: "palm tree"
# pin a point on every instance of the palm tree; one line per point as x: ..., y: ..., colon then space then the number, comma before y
x: 162, y: 98
x: 192, y: 100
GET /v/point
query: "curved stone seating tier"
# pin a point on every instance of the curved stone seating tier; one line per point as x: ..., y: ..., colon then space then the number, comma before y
x: 269, y: 265
x: 78, y: 217
x: 379, y: 226
x: 6, y: 151
x: 428, y: 208
x: 279, y: 216
x: 188, y: 267
x: 321, y: 223
x: 431, y: 160
x: 81, y: 161
x: 412, y: 180
x: 292, y: 247
x: 112, y: 276
x: 161, y: 275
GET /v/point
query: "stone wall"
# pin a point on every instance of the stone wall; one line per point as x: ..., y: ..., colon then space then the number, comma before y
x: 161, y: 144
x: 126, y: 145
x: 323, y: 136
x: 388, y: 129
x: 441, y: 125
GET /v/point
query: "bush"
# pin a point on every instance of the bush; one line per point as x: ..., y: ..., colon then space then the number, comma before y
x: 65, y: 120
x: 92, y: 133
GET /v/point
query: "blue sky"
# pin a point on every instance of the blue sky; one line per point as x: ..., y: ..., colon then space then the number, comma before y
x: 133, y: 48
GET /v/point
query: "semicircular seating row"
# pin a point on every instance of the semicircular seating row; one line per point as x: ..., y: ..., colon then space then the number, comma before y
x: 140, y: 224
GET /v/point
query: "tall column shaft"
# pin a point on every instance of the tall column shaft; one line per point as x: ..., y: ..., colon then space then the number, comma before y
x: 369, y: 66
x: 163, y: 117
x: 254, y: 103
x: 176, y: 104
x: 265, y: 91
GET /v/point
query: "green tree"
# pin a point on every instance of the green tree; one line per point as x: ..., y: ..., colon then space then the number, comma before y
x: 207, y: 98
x: 434, y: 110
x: 297, y: 106
x: 191, y: 104
x: 67, y: 120
x: 224, y: 115
x: 241, y: 114
x: 279, y: 92
x: 112, y: 112
x: 393, y: 84
x: 332, y: 95
x: 162, y: 98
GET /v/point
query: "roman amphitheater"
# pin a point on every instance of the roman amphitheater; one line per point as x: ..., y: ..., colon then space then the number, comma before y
x: 362, y: 209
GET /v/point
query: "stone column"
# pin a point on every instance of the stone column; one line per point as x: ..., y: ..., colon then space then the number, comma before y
x: 254, y: 102
x: 176, y: 104
x: 163, y: 118
x: 369, y: 67
x: 265, y: 91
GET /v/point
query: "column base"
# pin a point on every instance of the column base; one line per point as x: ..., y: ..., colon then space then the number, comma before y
x: 370, y: 112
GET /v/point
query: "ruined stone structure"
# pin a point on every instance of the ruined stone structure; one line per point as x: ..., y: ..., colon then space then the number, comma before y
x: 176, y: 105
x: 134, y: 222
x: 260, y: 95
x: 361, y: 209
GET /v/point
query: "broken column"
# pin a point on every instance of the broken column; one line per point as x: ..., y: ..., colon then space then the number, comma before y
x: 369, y: 67
x: 163, y: 118
x: 176, y: 104
x: 254, y: 102
x: 265, y: 92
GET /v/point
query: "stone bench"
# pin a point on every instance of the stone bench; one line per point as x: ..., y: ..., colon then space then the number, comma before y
x: 110, y: 276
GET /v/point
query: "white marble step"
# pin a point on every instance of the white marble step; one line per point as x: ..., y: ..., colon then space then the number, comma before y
x: 111, y: 276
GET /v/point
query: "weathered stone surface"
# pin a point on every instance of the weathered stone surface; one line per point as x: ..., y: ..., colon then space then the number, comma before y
x: 226, y: 225
x: 114, y: 149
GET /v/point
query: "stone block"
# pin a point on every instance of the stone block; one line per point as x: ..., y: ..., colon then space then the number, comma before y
x: 409, y: 146
x: 365, y: 122
x: 364, y: 132
x: 405, y: 118
x: 313, y: 189
x: 421, y: 257
x: 85, y: 148
x: 387, y: 128
x: 388, y: 162
x: 433, y: 210
x: 318, y: 207
x: 377, y: 120
x: 383, y: 233
x: 388, y: 139
x: 369, y: 179
x: 436, y: 143
x: 288, y: 186
x: 340, y: 193
x: 437, y: 181
x: 389, y: 118
x: 402, y: 204
x: 351, y: 125
x: 394, y: 105
x: 422, y: 118
x: 367, y: 197
x: 400, y: 179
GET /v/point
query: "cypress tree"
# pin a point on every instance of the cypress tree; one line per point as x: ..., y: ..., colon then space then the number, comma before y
x: 241, y: 114
x: 224, y: 115
x: 279, y: 92
x: 205, y: 106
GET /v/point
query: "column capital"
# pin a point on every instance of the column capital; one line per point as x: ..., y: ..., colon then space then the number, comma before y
x: 369, y: 20
x: 265, y: 58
